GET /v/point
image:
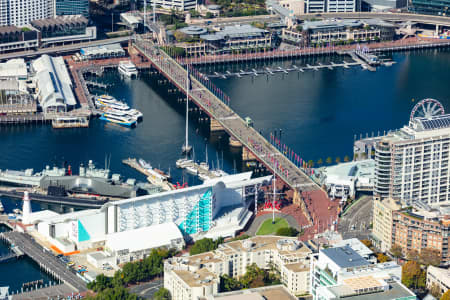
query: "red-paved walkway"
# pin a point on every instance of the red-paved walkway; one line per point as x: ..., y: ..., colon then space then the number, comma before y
x: 323, y: 211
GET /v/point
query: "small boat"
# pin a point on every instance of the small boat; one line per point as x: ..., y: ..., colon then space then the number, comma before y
x: 144, y: 164
x: 70, y: 122
x: 118, y: 119
x: 128, y: 69
x: 191, y: 170
x: 180, y: 163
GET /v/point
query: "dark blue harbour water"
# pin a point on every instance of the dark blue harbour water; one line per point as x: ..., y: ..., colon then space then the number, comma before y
x: 319, y: 113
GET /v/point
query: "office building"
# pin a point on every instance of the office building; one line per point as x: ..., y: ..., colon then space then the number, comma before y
x: 438, y: 277
x: 411, y: 164
x: 13, y: 38
x: 323, y: 6
x: 72, y: 7
x: 432, y: 7
x: 199, y: 275
x: 352, y: 30
x: 226, y: 40
x: 341, y: 272
x: 419, y: 228
x: 179, y: 5
x: 382, y: 222
x: 22, y: 12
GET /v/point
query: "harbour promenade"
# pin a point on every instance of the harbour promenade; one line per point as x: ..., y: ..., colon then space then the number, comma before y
x: 411, y: 43
x: 231, y: 122
x: 45, y: 259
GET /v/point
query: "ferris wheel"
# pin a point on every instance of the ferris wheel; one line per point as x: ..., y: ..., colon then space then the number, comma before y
x: 427, y: 108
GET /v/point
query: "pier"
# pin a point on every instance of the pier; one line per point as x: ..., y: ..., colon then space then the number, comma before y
x: 152, y: 178
x: 393, y: 46
x: 45, y: 259
x: 250, y: 139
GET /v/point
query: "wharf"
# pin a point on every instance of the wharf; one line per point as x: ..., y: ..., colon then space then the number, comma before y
x: 16, y: 193
x: 45, y: 259
x: 164, y: 184
x: 197, y: 170
x: 24, y: 119
x: 293, y: 68
x: 412, y: 43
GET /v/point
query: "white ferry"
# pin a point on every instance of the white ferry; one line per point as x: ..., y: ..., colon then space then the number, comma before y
x: 127, y: 68
x: 121, y: 119
x: 110, y: 103
x: 132, y: 113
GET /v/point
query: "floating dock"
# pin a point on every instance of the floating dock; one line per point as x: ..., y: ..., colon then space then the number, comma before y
x: 152, y: 178
x: 196, y: 169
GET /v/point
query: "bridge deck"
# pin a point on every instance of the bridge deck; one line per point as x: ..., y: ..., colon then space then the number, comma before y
x: 233, y: 124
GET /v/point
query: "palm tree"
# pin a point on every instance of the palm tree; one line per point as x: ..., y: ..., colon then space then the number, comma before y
x: 311, y: 163
x: 338, y: 159
x: 329, y: 160
x: 346, y: 158
x: 320, y: 162
x: 355, y: 156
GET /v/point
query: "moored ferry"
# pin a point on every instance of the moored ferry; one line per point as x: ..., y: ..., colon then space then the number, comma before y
x: 117, y: 118
x: 128, y: 69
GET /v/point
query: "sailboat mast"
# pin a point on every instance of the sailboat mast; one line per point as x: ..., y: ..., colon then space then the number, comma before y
x: 187, y: 108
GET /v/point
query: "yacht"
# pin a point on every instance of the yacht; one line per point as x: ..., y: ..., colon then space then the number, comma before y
x: 144, y: 164
x: 127, y: 68
x: 118, y: 118
x: 2, y: 210
x: 182, y: 162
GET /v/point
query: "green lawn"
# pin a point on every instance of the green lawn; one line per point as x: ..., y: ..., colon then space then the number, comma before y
x: 268, y: 228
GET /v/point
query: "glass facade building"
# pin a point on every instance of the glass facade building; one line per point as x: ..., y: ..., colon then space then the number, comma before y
x: 72, y: 7
x: 434, y: 7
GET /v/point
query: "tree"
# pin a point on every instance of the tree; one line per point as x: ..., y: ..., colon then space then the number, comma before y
x: 320, y: 162
x: 162, y: 294
x: 100, y: 283
x: 412, y: 254
x: 412, y: 275
x: 355, y: 156
x: 338, y: 159
x: 329, y: 160
x: 381, y: 258
x: 254, y: 277
x: 435, y: 290
x: 396, y: 251
x: 205, y: 245
x: 228, y: 284
x: 446, y: 295
x: 430, y: 256
x: 310, y: 163
x: 367, y: 243
x: 346, y: 158
x: 287, y: 231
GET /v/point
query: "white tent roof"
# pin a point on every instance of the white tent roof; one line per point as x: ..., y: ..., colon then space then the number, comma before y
x: 143, y: 238
x: 55, y: 85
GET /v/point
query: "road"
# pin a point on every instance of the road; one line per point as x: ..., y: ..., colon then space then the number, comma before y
x: 46, y: 258
x: 232, y: 123
x: 356, y: 223
x: 62, y: 49
x: 146, y: 290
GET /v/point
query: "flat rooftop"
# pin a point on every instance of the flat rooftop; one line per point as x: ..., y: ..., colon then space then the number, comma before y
x: 345, y: 257
x: 395, y: 291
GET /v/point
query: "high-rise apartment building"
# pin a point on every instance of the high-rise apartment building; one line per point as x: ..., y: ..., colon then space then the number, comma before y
x: 412, y: 164
x: 322, y: 6
x: 22, y: 12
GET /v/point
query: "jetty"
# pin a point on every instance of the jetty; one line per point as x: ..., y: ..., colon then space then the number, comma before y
x: 44, y: 258
x: 152, y: 177
x: 197, y: 169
